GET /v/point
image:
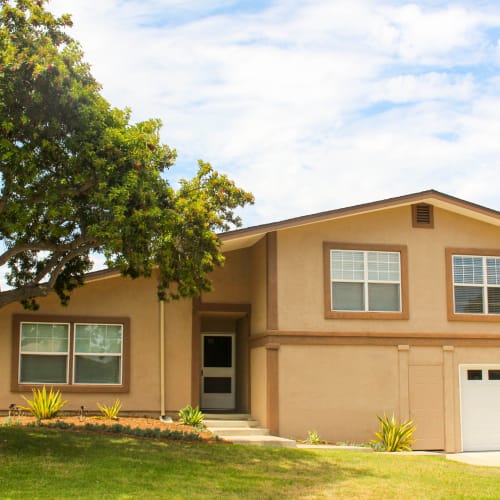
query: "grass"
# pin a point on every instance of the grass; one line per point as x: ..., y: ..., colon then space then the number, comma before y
x: 50, y: 463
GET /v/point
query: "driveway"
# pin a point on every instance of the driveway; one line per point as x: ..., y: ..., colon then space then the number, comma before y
x: 487, y: 458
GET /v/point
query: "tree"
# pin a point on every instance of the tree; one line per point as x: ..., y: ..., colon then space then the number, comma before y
x: 78, y: 177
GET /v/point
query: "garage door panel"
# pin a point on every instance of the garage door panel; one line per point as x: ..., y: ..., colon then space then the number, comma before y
x: 480, y: 407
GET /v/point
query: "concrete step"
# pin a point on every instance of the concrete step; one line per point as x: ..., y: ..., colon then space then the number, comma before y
x: 238, y: 431
x: 219, y: 423
x: 227, y: 416
x: 262, y: 441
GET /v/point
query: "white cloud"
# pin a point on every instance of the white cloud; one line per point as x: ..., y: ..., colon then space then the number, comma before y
x: 310, y: 104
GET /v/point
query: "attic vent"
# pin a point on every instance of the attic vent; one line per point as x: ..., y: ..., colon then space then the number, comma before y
x: 423, y: 215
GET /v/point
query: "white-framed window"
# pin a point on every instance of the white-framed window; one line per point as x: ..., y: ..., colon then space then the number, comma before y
x: 365, y: 280
x: 74, y: 353
x: 44, y: 353
x: 98, y: 351
x: 476, y: 284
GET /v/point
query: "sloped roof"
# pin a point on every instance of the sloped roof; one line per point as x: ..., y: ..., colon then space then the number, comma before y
x: 241, y: 238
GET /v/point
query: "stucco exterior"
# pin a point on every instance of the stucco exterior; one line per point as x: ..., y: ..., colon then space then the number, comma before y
x: 298, y: 366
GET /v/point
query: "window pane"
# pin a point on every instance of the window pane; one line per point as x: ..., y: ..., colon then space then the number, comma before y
x: 347, y: 265
x: 494, y: 300
x: 348, y: 297
x: 44, y: 337
x: 383, y: 297
x: 217, y: 385
x: 383, y: 266
x: 97, y: 369
x: 217, y: 351
x: 469, y: 299
x: 474, y: 375
x: 493, y: 374
x: 493, y: 270
x: 96, y: 339
x: 43, y: 369
x: 468, y: 270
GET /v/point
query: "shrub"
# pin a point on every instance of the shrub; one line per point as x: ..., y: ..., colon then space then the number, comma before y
x: 191, y: 416
x: 393, y: 436
x: 44, y: 404
x: 313, y: 438
x: 110, y: 411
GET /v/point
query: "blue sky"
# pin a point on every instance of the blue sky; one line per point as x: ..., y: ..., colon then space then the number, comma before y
x: 311, y: 105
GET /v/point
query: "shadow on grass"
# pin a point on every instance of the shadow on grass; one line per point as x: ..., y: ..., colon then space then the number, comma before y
x: 101, y: 465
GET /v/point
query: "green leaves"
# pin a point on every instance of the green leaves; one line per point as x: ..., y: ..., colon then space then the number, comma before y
x: 45, y: 404
x: 76, y: 176
x: 191, y: 416
x: 393, y: 436
x: 112, y: 411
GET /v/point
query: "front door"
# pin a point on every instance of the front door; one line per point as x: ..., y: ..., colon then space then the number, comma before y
x: 217, y: 371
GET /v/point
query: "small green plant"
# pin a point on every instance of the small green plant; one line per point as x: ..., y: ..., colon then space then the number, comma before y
x: 313, y: 438
x: 44, y: 404
x: 191, y: 416
x: 110, y: 411
x: 393, y: 436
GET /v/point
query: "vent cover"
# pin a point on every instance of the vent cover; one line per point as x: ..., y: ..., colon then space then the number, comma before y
x: 423, y: 215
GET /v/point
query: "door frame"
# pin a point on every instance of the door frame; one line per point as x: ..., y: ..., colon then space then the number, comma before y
x: 240, y: 313
x: 219, y: 401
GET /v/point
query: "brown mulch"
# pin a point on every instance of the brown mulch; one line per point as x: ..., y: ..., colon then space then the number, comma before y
x: 132, y: 422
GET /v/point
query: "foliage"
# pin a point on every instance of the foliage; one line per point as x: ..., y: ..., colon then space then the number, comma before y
x: 45, y: 404
x: 37, y: 462
x: 191, y: 416
x: 313, y: 438
x: 393, y: 436
x: 76, y: 176
x: 110, y: 411
x: 126, y: 430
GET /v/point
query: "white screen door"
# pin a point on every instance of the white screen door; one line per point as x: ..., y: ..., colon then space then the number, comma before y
x: 217, y: 371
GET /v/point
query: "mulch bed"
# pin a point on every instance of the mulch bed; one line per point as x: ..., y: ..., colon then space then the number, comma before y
x: 133, y: 422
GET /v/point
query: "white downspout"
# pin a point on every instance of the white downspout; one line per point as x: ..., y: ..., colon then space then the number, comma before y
x: 162, y: 359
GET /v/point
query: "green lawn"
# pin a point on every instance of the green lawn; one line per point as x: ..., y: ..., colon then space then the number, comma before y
x: 46, y: 463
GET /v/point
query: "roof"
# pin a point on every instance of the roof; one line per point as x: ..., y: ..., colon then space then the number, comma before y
x: 241, y: 238
x: 246, y: 237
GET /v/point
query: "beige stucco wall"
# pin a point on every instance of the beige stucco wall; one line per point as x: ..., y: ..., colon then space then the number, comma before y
x: 300, y: 273
x: 232, y: 282
x: 136, y: 300
x: 336, y: 390
x: 258, y: 381
x: 259, y: 291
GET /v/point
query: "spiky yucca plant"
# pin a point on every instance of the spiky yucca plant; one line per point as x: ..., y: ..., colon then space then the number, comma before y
x: 44, y: 404
x: 393, y: 436
x: 191, y: 416
x: 110, y: 411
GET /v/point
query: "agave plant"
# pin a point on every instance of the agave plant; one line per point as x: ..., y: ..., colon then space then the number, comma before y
x: 393, y: 436
x: 110, y: 411
x: 191, y: 416
x: 44, y: 404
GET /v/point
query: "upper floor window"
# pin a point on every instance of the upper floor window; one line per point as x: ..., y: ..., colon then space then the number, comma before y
x: 476, y: 284
x: 83, y: 354
x: 365, y: 281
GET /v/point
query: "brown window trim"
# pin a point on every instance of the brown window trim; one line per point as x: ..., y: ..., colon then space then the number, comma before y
x: 17, y: 319
x: 403, y: 252
x: 415, y: 216
x: 452, y: 315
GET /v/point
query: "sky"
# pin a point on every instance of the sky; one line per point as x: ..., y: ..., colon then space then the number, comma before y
x: 309, y: 104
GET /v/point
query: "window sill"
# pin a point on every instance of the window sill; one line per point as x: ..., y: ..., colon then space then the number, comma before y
x: 488, y: 318
x: 67, y: 388
x: 400, y: 315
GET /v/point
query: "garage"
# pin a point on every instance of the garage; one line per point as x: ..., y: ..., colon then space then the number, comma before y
x: 480, y: 407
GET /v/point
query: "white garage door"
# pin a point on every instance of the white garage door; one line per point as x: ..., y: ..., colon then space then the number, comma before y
x: 480, y: 407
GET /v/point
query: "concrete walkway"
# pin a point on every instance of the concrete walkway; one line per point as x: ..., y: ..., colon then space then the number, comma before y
x: 486, y: 458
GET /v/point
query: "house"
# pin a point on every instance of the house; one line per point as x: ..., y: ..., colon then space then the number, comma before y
x: 318, y: 322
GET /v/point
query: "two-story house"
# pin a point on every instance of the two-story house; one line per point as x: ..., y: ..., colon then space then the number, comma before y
x: 319, y: 322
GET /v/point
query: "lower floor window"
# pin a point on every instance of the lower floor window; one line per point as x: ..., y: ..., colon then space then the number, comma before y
x: 73, y: 353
